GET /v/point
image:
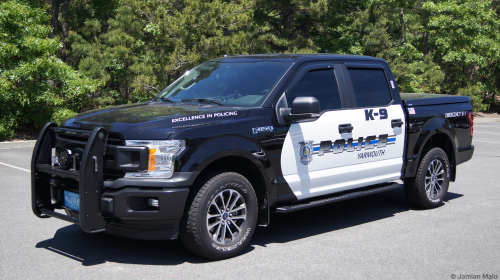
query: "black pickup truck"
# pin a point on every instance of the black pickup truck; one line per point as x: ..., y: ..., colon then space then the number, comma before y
x: 236, y: 138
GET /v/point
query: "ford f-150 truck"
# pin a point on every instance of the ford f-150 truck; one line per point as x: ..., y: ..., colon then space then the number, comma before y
x: 236, y: 138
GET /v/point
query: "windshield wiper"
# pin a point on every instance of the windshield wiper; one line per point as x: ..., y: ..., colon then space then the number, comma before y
x: 164, y: 99
x: 203, y: 100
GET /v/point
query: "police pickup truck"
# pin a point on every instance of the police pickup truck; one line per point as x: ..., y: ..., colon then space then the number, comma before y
x: 236, y: 138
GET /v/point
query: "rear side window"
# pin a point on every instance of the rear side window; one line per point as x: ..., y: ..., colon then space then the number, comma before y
x: 320, y: 84
x: 370, y: 87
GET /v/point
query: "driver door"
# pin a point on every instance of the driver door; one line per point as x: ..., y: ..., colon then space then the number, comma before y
x: 314, y: 159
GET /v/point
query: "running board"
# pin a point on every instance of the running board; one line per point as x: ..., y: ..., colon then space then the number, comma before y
x: 344, y: 196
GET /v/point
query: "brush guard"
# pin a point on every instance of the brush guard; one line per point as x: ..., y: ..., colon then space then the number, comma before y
x: 89, y: 177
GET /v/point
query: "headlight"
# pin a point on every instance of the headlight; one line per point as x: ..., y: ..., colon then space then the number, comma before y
x: 161, y: 157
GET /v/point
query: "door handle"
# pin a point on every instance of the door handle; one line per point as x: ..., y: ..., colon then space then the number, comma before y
x: 396, y: 123
x: 345, y: 128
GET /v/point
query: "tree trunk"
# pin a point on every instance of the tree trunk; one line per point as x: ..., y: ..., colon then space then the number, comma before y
x: 64, y: 31
x: 403, y: 26
x: 425, y: 39
x: 55, y: 17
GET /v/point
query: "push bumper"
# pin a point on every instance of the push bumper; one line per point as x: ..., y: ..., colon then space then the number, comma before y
x: 122, y: 206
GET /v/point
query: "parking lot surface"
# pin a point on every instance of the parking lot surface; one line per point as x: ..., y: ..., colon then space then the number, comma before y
x: 376, y: 237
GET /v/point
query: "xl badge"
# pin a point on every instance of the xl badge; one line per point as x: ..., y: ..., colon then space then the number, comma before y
x: 306, y: 152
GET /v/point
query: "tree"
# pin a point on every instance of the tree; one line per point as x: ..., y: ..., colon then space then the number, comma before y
x: 129, y: 50
x: 466, y: 41
x: 286, y: 25
x: 148, y: 44
x: 35, y: 85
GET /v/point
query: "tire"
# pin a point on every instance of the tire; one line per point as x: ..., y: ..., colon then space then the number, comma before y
x: 208, y: 230
x: 429, y: 187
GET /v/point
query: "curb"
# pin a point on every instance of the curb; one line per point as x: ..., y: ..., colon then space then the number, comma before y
x: 486, y: 120
x: 17, y: 144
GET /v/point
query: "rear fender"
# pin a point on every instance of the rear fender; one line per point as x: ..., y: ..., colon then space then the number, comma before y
x: 432, y: 128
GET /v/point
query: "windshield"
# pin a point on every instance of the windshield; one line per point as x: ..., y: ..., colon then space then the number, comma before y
x: 228, y: 84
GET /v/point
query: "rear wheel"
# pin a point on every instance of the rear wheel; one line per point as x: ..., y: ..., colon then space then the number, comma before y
x: 430, y: 185
x: 221, y: 217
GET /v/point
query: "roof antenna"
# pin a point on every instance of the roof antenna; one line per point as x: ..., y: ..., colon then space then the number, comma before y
x: 354, y: 52
x: 326, y: 51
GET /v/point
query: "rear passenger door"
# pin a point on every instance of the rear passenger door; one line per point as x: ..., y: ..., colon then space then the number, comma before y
x: 377, y: 121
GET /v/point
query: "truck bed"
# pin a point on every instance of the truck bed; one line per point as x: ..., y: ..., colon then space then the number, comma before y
x: 425, y: 99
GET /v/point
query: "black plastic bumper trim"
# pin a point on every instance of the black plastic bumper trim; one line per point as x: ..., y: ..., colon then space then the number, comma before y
x: 180, y: 179
x: 107, y: 205
x: 171, y: 203
x: 465, y: 148
x: 464, y: 154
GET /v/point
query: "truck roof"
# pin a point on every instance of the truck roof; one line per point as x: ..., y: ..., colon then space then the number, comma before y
x: 294, y: 57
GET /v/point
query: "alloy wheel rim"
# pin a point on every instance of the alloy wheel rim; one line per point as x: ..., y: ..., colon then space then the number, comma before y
x: 434, y: 179
x: 226, y: 216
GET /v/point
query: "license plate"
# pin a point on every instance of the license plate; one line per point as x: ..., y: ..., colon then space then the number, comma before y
x: 72, y: 200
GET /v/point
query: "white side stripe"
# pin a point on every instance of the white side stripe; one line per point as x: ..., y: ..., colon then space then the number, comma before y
x: 26, y: 170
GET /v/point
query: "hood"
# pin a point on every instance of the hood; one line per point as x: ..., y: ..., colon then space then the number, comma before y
x: 153, y: 120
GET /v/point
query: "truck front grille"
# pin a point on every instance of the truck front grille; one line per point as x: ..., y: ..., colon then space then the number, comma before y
x: 72, y: 140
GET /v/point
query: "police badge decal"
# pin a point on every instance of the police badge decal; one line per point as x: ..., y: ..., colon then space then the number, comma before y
x: 306, y: 151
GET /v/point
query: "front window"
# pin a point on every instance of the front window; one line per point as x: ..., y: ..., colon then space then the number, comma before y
x: 321, y: 84
x: 230, y: 84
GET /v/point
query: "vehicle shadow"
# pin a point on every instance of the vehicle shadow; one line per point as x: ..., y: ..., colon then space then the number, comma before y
x: 95, y: 249
x: 337, y: 216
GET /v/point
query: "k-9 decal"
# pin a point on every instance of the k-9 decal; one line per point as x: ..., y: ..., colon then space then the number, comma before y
x: 382, y: 114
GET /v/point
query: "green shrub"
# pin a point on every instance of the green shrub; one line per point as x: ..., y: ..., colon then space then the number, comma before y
x: 61, y: 115
x: 6, y: 129
x: 35, y: 85
x: 476, y: 98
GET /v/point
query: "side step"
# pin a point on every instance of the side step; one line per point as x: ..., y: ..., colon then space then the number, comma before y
x: 344, y: 196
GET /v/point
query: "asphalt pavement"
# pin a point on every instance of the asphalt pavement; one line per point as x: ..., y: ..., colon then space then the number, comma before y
x: 374, y: 237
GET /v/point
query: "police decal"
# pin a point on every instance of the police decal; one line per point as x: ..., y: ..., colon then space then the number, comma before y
x: 306, y: 151
x: 307, y: 148
x: 371, y: 154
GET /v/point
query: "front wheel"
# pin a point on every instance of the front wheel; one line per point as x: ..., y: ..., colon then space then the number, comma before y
x: 430, y: 185
x: 221, y: 217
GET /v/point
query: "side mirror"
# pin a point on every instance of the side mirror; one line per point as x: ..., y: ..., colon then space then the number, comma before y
x: 305, y: 105
x: 304, y: 108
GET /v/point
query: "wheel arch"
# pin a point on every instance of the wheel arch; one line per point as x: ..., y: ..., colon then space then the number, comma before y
x: 437, y: 133
x: 245, y: 165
